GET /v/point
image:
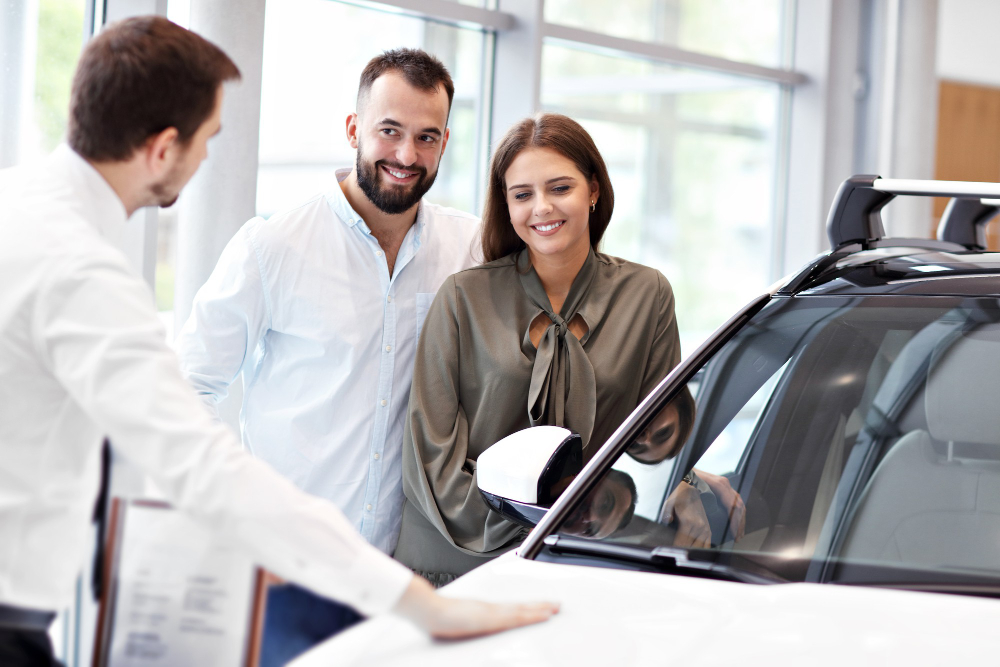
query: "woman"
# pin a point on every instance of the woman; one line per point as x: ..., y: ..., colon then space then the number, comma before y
x: 547, y: 331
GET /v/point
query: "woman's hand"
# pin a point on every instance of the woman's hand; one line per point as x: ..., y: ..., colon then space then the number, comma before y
x: 729, y: 499
x: 684, y: 505
x: 447, y: 618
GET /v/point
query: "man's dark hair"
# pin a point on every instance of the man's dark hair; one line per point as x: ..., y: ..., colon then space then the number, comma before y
x: 420, y: 69
x: 139, y: 77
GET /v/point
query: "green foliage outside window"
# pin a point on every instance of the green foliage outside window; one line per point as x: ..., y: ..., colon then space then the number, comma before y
x: 60, y: 38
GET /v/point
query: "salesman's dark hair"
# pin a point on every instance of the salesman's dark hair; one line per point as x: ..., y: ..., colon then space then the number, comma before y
x: 563, y: 135
x: 419, y: 68
x: 139, y: 77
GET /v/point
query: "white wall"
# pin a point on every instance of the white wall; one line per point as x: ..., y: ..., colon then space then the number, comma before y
x: 967, y: 41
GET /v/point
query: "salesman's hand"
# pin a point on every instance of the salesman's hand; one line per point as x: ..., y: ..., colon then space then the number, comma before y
x: 447, y: 618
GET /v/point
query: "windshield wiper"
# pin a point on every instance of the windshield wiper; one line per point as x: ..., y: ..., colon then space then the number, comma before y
x: 664, y: 559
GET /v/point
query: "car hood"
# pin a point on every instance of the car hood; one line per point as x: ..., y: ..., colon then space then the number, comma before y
x: 623, y: 617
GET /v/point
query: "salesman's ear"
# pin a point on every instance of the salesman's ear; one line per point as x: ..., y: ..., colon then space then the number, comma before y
x: 160, y: 151
x: 352, y: 130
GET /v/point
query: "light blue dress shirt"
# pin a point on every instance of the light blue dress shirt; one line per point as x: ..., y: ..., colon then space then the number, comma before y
x: 303, y: 305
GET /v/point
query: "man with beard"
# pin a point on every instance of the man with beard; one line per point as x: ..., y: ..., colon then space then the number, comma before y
x: 320, y: 308
x: 83, y: 360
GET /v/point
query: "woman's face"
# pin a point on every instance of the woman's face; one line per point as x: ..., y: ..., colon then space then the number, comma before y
x: 549, y: 202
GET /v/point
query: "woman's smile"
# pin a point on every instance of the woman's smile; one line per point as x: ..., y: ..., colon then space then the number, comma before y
x: 548, y: 228
x: 549, y: 201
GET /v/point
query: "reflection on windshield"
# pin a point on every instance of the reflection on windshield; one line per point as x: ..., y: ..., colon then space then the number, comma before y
x: 832, y: 438
x: 607, y: 508
x: 666, y: 432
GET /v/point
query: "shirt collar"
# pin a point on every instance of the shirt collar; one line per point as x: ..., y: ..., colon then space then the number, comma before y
x: 338, y: 202
x: 419, y: 224
x: 99, y: 203
x: 343, y: 209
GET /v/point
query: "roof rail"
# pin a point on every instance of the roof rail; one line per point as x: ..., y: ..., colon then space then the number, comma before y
x: 855, y: 216
x: 964, y: 221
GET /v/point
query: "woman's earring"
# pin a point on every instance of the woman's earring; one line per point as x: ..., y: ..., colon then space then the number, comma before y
x: 593, y: 205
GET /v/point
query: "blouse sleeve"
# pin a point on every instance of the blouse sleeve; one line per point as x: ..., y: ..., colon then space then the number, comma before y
x: 439, y: 478
x: 665, y: 352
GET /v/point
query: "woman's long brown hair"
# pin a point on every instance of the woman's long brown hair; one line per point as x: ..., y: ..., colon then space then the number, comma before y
x: 568, y: 138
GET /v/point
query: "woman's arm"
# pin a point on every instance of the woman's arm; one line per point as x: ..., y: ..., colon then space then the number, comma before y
x: 439, y: 477
x: 665, y: 352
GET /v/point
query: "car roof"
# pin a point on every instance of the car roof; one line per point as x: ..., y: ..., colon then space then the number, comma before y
x: 904, y: 269
x: 862, y: 262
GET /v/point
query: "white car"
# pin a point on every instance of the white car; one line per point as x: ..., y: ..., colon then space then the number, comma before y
x: 843, y: 429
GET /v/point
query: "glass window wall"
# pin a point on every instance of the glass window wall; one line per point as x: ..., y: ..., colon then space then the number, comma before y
x: 40, y: 43
x: 738, y: 30
x: 693, y: 157
x: 314, y: 51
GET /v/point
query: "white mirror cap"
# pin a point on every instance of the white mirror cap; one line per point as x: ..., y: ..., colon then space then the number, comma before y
x: 511, y: 468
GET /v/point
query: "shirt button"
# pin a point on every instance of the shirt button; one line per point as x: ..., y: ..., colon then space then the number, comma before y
x: 368, y: 508
x: 388, y: 348
x: 377, y: 457
x: 383, y: 402
x: 389, y: 298
x: 378, y: 253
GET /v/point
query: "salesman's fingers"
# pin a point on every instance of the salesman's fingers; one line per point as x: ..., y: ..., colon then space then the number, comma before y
x: 466, y: 618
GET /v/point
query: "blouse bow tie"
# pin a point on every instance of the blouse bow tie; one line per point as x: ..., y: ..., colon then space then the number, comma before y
x: 563, y: 389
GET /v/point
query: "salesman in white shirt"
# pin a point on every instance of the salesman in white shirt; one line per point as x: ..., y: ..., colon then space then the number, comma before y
x: 82, y: 356
x: 320, y: 308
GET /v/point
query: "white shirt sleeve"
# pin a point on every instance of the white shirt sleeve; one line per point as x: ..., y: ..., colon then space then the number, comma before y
x: 229, y: 316
x: 96, y: 329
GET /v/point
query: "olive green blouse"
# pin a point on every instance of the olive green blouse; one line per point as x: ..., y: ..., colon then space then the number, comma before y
x: 479, y: 378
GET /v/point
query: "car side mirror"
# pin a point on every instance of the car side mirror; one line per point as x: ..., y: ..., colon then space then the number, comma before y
x: 523, y: 474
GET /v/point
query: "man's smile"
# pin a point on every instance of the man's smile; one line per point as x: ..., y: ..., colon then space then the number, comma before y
x: 397, y: 175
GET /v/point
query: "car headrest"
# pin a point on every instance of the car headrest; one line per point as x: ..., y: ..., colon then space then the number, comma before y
x: 963, y: 389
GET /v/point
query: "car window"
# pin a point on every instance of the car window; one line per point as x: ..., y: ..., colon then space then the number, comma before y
x: 832, y: 439
x: 724, y: 455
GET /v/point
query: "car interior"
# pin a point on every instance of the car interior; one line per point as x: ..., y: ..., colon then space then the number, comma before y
x: 934, y: 498
x: 875, y: 443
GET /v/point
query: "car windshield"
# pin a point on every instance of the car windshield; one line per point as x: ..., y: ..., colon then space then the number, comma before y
x: 834, y: 439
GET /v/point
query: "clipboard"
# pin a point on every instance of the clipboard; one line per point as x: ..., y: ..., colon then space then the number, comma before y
x: 173, y: 595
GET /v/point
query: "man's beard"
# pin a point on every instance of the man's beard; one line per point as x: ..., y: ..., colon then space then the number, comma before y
x: 165, y: 199
x: 165, y: 193
x: 391, y: 199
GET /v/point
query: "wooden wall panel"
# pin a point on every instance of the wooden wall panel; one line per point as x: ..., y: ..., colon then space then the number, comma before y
x: 968, y: 140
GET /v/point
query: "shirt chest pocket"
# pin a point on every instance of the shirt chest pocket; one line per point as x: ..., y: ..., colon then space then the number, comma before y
x: 423, y: 303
